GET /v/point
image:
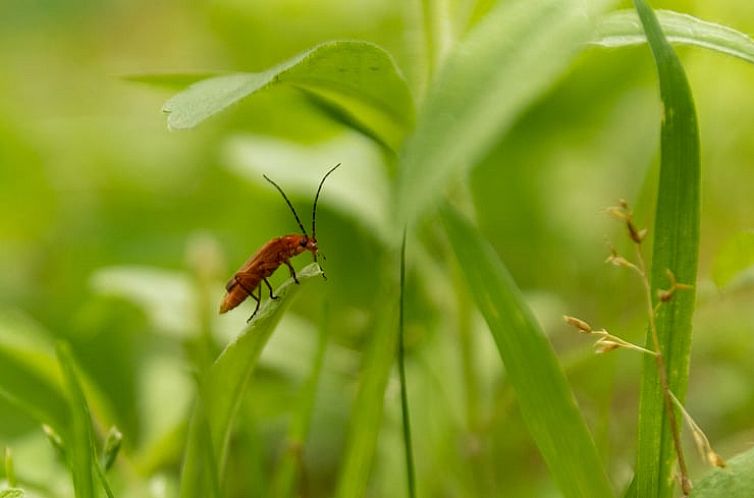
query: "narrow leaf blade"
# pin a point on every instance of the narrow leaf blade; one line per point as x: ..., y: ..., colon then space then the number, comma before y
x: 222, y: 391
x: 79, y: 439
x: 676, y: 245
x: 546, y: 401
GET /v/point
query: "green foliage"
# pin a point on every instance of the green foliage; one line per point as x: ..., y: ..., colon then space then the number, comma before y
x: 79, y: 438
x: 506, y: 62
x: 12, y: 493
x: 675, y: 249
x: 547, y: 403
x: 359, y: 79
x: 736, y: 479
x: 117, y: 238
x: 221, y: 391
x: 623, y: 28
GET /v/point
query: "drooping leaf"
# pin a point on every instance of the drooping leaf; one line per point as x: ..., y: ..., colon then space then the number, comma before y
x: 675, y: 249
x: 358, y: 78
x: 547, y: 403
x: 623, y: 28
x: 509, y: 59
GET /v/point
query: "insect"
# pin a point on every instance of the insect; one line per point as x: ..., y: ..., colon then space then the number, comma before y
x: 248, y: 279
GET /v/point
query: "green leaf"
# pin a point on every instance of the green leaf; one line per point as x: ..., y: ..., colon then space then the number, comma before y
x: 366, y: 413
x: 358, y: 78
x: 171, y: 81
x: 223, y: 388
x: 735, y: 258
x: 544, y: 397
x: 736, y: 479
x: 28, y: 377
x: 676, y: 246
x: 79, y: 439
x: 623, y: 28
x: 506, y: 62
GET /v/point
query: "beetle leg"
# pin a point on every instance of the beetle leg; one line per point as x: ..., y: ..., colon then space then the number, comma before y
x: 258, y: 300
x: 293, y: 272
x: 267, y: 283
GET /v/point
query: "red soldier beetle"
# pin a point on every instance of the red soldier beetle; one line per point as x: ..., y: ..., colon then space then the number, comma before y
x: 270, y: 256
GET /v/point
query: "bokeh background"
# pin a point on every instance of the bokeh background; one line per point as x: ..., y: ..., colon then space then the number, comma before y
x: 118, y: 235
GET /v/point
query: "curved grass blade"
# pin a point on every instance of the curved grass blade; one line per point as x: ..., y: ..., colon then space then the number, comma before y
x: 623, y: 28
x: 222, y: 390
x: 358, y: 78
x: 676, y: 246
x: 79, y: 439
x: 512, y: 56
x: 736, y: 479
x: 546, y: 401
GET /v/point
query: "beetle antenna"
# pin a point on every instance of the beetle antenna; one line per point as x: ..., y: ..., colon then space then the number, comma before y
x: 316, y: 198
x: 293, y: 210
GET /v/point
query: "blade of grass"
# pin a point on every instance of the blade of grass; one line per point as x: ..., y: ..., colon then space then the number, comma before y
x: 290, y: 466
x: 366, y: 413
x: 222, y: 390
x: 676, y: 245
x: 359, y: 78
x: 623, y: 28
x: 546, y: 401
x: 736, y: 479
x: 508, y: 59
x: 405, y: 416
x: 79, y: 439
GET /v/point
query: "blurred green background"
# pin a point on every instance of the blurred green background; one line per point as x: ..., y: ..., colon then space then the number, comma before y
x: 118, y: 235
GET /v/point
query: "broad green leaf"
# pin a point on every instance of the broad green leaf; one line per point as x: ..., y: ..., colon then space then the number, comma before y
x: 509, y: 59
x: 675, y: 248
x: 223, y: 388
x: 367, y: 409
x: 734, y: 259
x: 358, y: 78
x: 623, y: 27
x: 79, y: 438
x: 546, y: 401
x: 736, y: 479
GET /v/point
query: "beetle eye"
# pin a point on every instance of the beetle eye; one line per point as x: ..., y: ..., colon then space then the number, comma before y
x: 303, y: 243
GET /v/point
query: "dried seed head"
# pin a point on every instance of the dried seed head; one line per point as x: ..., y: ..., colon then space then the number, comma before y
x: 606, y: 345
x: 618, y: 213
x: 581, y: 325
x: 665, y: 295
x: 636, y: 235
x: 715, y: 460
x: 618, y: 261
